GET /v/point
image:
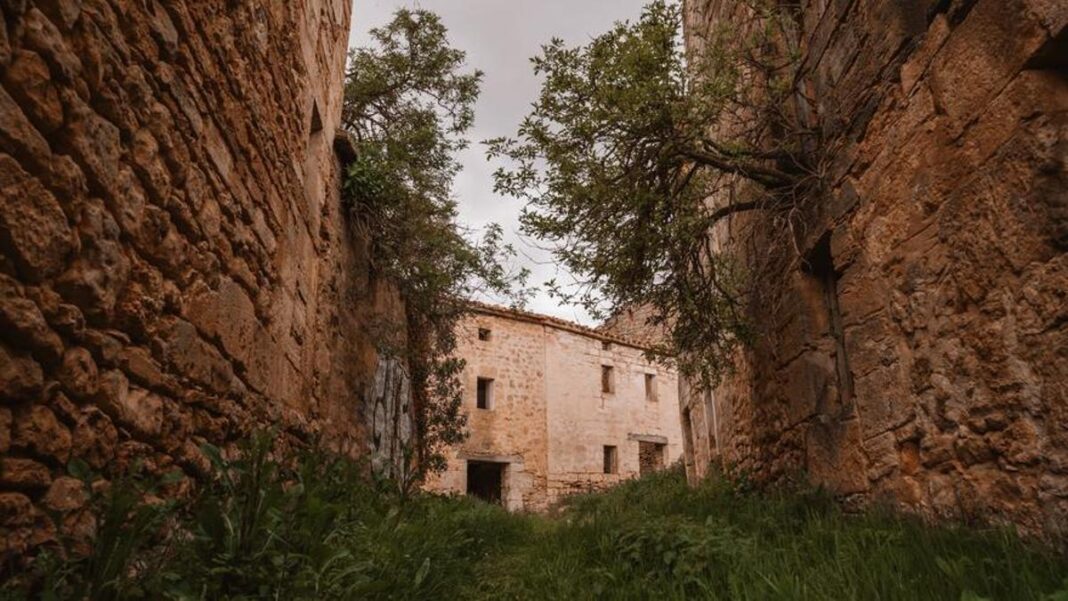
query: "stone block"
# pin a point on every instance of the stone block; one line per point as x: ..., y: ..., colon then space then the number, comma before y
x: 18, y: 135
x: 21, y: 322
x: 135, y: 408
x: 30, y: 83
x: 94, y: 438
x: 21, y: 378
x: 16, y: 509
x: 33, y: 228
x: 94, y: 142
x: 78, y: 374
x: 97, y: 277
x: 834, y: 457
x: 23, y: 474
x: 191, y: 357
x: 39, y: 431
x: 66, y: 494
x: 42, y: 36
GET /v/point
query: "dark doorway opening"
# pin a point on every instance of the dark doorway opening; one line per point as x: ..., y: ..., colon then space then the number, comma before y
x: 485, y: 480
x: 650, y: 457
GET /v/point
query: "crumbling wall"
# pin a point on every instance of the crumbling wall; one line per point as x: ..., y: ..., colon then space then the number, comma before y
x: 176, y: 266
x: 918, y: 351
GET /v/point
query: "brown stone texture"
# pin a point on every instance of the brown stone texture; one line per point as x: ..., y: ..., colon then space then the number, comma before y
x: 176, y: 266
x: 924, y: 358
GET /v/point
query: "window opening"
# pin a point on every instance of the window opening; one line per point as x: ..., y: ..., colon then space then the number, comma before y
x: 611, y: 464
x: 607, y: 379
x: 484, y: 394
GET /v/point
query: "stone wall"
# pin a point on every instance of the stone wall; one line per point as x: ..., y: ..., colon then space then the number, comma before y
x: 548, y: 418
x: 175, y: 263
x: 919, y: 351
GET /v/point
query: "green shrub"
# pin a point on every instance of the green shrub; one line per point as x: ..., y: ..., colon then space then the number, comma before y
x: 316, y: 527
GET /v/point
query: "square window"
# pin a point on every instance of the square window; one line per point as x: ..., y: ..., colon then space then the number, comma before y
x: 611, y: 463
x: 650, y: 388
x: 484, y: 395
x: 606, y: 346
x: 483, y: 334
x: 608, y: 384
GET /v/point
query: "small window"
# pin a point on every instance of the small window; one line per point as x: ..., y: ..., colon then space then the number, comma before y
x: 483, y: 334
x: 607, y: 383
x: 606, y: 346
x: 611, y: 463
x: 650, y: 388
x: 484, y: 397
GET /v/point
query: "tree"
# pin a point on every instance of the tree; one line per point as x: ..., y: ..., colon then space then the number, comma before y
x: 408, y: 104
x: 630, y: 157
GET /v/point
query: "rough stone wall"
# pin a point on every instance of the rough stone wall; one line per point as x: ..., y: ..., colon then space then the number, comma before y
x: 548, y: 419
x: 919, y: 353
x: 175, y: 263
x: 582, y: 419
x: 512, y: 430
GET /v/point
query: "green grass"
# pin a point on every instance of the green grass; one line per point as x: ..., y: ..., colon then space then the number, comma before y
x: 321, y: 531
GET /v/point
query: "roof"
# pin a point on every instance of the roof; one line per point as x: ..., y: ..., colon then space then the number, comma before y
x: 553, y: 322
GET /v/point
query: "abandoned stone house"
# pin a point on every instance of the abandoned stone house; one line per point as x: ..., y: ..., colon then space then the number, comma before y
x: 918, y: 352
x: 177, y: 267
x: 556, y: 408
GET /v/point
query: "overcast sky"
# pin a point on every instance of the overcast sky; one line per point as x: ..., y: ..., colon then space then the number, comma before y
x: 499, y: 37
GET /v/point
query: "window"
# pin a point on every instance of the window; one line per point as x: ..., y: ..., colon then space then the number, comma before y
x: 606, y: 346
x: 650, y: 388
x: 484, y: 398
x: 611, y: 464
x: 607, y: 383
x: 483, y: 334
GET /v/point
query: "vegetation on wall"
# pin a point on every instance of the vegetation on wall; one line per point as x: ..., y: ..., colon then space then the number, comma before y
x: 408, y: 103
x: 633, y: 157
x: 314, y: 528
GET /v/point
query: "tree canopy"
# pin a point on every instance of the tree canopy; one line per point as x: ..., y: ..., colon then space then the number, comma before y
x: 408, y: 104
x: 627, y: 161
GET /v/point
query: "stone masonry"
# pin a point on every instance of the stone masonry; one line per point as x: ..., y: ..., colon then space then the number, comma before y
x: 920, y: 354
x: 175, y: 263
x: 548, y: 418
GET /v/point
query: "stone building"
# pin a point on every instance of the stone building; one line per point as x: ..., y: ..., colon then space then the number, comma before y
x: 176, y: 265
x: 918, y: 353
x: 556, y: 408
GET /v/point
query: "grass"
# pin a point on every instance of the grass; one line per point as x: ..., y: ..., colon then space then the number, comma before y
x: 321, y: 531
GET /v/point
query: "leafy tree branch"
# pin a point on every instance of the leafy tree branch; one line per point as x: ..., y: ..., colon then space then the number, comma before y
x: 633, y: 158
x: 408, y: 103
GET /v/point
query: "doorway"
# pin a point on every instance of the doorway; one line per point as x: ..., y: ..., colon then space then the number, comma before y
x: 650, y: 457
x: 485, y: 480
